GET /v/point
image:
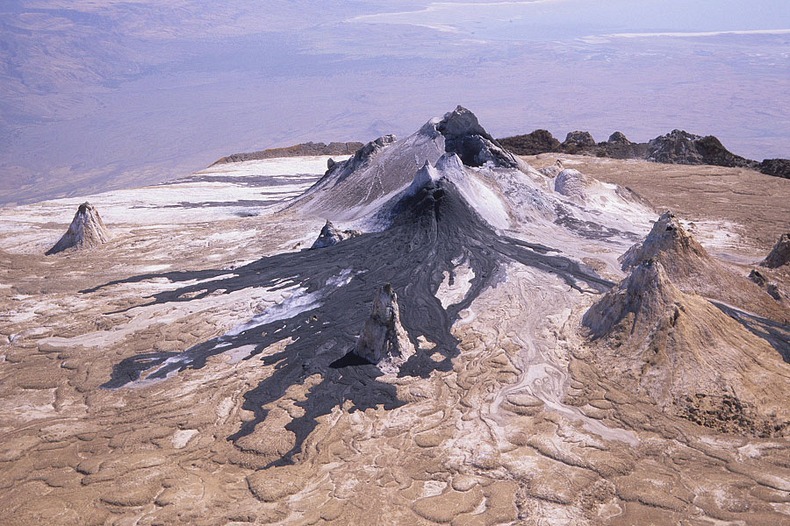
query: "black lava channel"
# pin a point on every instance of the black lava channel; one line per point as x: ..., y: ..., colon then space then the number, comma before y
x: 429, y: 231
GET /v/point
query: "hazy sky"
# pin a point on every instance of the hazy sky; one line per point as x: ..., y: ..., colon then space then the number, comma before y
x: 99, y: 94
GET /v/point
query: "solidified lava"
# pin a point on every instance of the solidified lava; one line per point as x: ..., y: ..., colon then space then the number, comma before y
x: 429, y: 230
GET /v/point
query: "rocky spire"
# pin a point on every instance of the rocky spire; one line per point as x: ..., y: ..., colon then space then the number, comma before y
x: 383, y: 340
x: 87, y: 230
x: 780, y: 254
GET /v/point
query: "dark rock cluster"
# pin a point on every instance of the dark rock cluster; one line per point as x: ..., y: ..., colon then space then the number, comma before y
x: 776, y: 167
x: 676, y: 147
x: 681, y: 147
x: 539, y: 141
x: 780, y: 254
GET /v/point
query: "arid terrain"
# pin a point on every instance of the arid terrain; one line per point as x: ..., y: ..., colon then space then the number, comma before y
x: 199, y: 367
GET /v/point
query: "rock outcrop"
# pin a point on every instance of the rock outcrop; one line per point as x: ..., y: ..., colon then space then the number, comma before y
x: 676, y: 147
x: 86, y: 230
x: 464, y: 136
x: 780, y: 254
x: 776, y: 167
x: 578, y: 142
x: 330, y: 236
x: 619, y: 147
x: 539, y: 141
x: 681, y: 147
x: 383, y: 341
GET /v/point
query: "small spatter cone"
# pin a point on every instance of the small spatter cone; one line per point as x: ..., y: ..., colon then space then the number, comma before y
x: 669, y: 243
x: 780, y: 254
x: 690, y: 268
x: 383, y: 341
x: 87, y: 230
x: 641, y: 300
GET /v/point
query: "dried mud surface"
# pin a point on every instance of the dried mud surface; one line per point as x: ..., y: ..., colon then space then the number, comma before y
x: 515, y: 427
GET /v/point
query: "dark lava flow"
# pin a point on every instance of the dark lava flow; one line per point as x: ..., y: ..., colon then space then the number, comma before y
x: 429, y: 231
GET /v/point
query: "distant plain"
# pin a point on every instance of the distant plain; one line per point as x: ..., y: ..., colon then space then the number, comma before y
x: 95, y: 96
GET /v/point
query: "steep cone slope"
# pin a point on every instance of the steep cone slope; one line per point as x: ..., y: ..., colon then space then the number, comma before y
x: 688, y: 356
x: 692, y: 269
x: 86, y: 230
